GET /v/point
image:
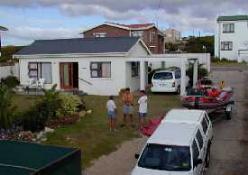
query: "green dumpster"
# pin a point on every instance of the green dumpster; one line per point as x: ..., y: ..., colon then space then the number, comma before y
x: 22, y: 158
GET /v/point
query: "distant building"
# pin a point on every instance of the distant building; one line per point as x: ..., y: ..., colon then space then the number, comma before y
x: 231, y: 38
x: 149, y: 33
x: 172, y: 36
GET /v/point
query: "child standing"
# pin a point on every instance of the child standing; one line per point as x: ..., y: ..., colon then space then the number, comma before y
x: 142, y: 108
x: 111, y: 110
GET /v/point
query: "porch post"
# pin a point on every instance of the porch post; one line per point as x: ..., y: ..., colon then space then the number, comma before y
x: 142, y: 75
x: 195, y: 73
x: 183, y: 78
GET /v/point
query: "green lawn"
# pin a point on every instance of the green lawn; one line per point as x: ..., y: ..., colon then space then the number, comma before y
x: 91, y: 134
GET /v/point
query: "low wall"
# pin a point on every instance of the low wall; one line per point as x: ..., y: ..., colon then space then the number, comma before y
x: 204, y: 58
x: 9, y: 70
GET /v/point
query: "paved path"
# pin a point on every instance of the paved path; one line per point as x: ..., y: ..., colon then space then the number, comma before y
x: 120, y: 162
x: 229, y: 152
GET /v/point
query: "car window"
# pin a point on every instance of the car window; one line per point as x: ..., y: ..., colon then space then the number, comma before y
x: 199, y: 139
x: 204, y: 125
x: 166, y: 157
x: 195, y: 150
x: 163, y: 76
x: 207, y: 119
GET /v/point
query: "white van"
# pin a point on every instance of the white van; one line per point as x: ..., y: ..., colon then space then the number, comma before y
x: 168, y: 80
x: 173, y: 149
x: 199, y: 117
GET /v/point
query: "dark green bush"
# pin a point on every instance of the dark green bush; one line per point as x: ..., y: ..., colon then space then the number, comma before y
x: 10, y: 81
x: 6, y: 108
x: 202, y: 72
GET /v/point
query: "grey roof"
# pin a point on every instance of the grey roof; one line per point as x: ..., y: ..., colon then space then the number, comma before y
x: 80, y: 45
x: 232, y: 18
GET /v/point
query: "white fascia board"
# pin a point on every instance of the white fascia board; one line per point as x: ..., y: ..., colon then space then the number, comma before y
x: 72, y: 55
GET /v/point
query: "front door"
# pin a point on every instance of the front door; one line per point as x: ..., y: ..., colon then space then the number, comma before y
x: 66, y: 75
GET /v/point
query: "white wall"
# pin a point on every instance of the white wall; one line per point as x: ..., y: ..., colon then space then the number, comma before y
x: 100, y: 86
x: 239, y: 39
x: 6, y: 71
x: 204, y: 58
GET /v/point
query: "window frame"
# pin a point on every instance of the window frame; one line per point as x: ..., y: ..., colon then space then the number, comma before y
x: 200, y: 139
x: 135, y: 69
x: 204, y: 126
x: 38, y: 71
x: 100, y: 34
x: 99, y: 69
x: 228, y: 28
x: 195, y: 148
x: 226, y: 45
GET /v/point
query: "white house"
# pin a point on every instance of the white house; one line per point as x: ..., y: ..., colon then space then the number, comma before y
x: 231, y: 38
x: 98, y: 66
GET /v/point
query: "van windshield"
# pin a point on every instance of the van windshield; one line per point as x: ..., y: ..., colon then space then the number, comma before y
x: 164, y: 157
x: 163, y: 76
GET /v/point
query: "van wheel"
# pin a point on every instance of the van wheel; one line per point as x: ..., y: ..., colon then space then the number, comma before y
x: 178, y: 90
x: 207, y: 160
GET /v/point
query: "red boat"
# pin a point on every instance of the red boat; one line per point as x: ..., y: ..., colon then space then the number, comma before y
x: 211, y: 100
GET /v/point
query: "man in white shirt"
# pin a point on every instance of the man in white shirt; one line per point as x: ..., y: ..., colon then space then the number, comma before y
x: 111, y: 110
x: 142, y: 107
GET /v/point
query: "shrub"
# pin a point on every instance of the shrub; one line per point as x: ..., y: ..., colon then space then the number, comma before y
x: 50, y: 102
x: 10, y: 81
x: 68, y: 104
x: 6, y: 109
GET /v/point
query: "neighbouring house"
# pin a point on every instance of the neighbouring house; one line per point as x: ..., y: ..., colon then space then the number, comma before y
x: 1, y: 29
x: 231, y: 38
x: 97, y: 66
x: 149, y: 33
x: 172, y: 36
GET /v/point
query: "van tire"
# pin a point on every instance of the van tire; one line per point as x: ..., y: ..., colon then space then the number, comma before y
x: 207, y: 159
x: 178, y: 90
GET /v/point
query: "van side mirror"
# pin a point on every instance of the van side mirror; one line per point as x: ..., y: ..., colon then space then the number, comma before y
x: 197, y: 162
x: 136, y: 156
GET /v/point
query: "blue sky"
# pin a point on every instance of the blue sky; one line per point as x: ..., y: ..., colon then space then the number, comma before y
x: 28, y: 20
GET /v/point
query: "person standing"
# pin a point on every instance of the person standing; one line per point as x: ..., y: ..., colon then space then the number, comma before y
x: 111, y: 110
x: 127, y: 100
x: 142, y: 108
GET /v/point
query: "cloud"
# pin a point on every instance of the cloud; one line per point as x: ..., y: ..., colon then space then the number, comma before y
x: 35, y: 33
x: 182, y: 14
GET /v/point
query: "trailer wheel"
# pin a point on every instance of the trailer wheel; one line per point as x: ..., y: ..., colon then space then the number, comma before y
x: 228, y: 115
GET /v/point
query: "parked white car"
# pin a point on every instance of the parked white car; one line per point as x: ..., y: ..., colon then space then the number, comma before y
x: 168, y: 80
x: 198, y: 117
x: 175, y: 148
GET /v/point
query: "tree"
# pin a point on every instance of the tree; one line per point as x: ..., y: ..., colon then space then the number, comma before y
x: 200, y: 44
x: 6, y: 108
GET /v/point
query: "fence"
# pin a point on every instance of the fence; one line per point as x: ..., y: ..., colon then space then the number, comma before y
x: 9, y: 70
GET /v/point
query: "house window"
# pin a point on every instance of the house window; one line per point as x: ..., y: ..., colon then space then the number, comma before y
x: 39, y: 70
x: 152, y: 37
x: 228, y: 28
x: 137, y: 33
x: 100, y: 69
x: 99, y: 35
x: 135, y: 69
x: 226, y: 45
